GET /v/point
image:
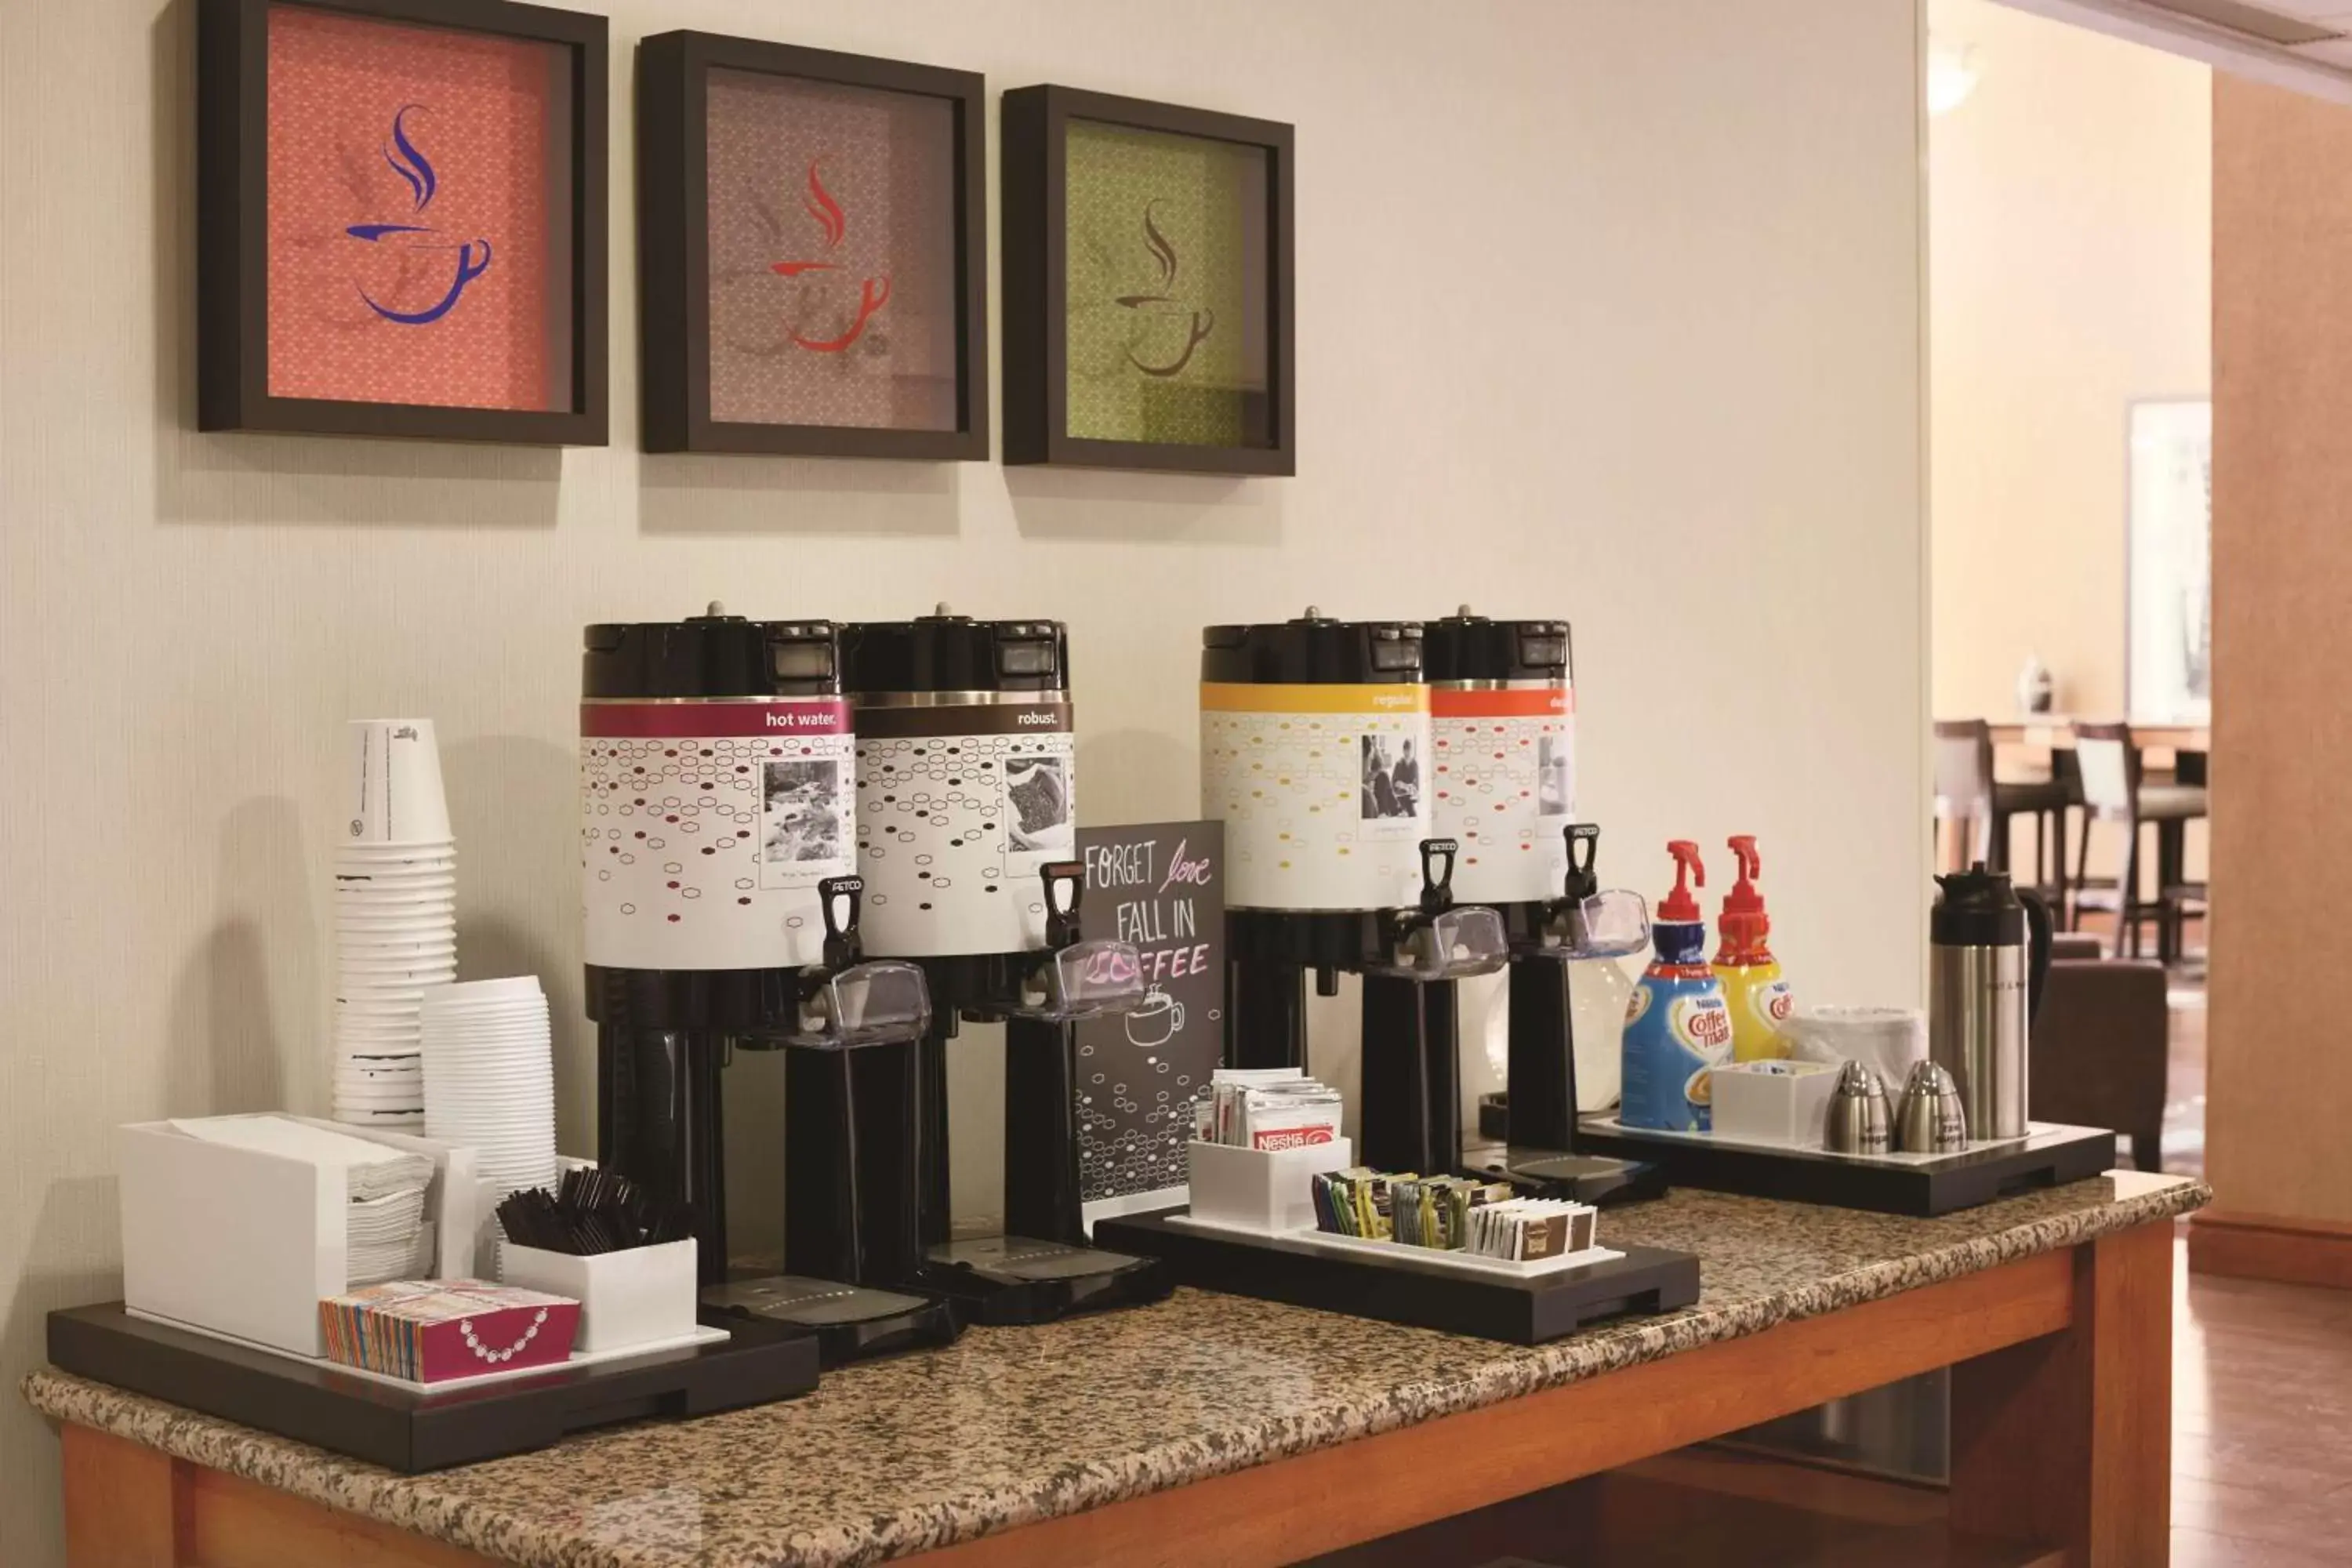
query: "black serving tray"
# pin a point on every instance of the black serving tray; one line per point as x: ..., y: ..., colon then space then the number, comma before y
x: 411, y: 1430
x: 1523, y: 1311
x: 2052, y: 1156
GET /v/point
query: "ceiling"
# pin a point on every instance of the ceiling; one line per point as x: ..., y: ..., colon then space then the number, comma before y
x: 2302, y: 44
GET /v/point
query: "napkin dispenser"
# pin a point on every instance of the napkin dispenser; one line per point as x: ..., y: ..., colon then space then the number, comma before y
x: 243, y: 1243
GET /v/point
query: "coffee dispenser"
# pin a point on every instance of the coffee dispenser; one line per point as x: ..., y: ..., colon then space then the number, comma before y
x: 1315, y: 753
x: 717, y: 821
x: 1503, y: 717
x: 1988, y: 953
x: 967, y: 840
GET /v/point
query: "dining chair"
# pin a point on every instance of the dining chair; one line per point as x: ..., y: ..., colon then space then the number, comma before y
x: 1982, y: 807
x: 2114, y: 790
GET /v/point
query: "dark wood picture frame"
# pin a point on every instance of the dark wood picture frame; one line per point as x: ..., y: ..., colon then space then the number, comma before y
x: 674, y: 249
x: 1035, y: 130
x: 232, y: 226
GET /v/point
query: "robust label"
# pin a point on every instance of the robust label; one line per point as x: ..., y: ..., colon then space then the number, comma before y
x: 959, y: 808
x: 706, y: 827
x: 1323, y: 790
x: 1504, y: 782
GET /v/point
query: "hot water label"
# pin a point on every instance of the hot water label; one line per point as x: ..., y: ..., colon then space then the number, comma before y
x: 1504, y: 782
x: 1324, y: 791
x: 706, y: 827
x: 960, y: 807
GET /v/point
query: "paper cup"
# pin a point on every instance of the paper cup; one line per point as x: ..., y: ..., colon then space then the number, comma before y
x: 394, y: 788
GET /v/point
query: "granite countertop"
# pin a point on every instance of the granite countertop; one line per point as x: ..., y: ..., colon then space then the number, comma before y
x: 1011, y: 1426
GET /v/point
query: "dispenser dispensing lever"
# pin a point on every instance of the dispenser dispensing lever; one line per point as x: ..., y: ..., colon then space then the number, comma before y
x: 841, y: 899
x: 1437, y: 856
x: 1066, y: 884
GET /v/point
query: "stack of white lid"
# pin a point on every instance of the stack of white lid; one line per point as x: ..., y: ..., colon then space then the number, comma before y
x: 490, y: 1077
x: 395, y: 920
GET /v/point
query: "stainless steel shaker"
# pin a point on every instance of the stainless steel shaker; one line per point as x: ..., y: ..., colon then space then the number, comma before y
x: 1859, y: 1122
x: 1988, y: 955
x: 1929, y: 1119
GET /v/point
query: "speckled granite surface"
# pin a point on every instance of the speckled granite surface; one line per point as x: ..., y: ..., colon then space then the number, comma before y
x: 1016, y: 1424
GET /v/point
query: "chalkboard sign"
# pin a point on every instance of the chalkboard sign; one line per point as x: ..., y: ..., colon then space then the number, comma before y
x: 1161, y: 886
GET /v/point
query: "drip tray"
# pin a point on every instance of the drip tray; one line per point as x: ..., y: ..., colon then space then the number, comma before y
x: 850, y: 1323
x: 1010, y: 1279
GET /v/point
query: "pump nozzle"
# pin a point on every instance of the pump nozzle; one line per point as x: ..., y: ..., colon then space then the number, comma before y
x: 1679, y: 905
x: 1744, y: 923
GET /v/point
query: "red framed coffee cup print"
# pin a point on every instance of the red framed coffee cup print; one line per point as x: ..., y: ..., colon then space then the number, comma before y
x: 401, y: 219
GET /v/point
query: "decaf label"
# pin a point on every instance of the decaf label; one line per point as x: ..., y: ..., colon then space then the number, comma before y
x: 1161, y: 886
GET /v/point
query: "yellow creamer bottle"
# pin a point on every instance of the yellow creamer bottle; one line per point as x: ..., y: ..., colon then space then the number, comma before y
x: 1758, y: 997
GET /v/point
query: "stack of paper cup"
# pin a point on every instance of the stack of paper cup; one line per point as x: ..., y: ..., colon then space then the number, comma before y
x: 490, y: 1077
x: 1889, y: 1040
x: 395, y: 920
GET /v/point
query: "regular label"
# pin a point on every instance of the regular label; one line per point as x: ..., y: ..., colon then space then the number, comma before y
x: 1324, y: 791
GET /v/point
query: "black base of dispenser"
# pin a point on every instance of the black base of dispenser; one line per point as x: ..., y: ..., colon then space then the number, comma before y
x: 1599, y: 1180
x: 1010, y: 1281
x: 1524, y: 1312
x: 848, y: 1323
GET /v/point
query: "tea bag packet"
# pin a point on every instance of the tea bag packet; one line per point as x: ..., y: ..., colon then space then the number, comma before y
x: 1528, y: 1229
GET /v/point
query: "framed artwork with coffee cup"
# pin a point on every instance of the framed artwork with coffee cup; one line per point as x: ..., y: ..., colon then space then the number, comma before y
x: 811, y: 264
x: 401, y: 219
x: 1148, y: 286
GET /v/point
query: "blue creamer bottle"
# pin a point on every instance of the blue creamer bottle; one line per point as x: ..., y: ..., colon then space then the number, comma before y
x: 1677, y: 1028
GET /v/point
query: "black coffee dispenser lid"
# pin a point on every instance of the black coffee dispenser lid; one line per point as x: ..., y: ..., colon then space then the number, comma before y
x: 1467, y: 646
x: 1976, y: 908
x: 714, y: 655
x: 1313, y: 651
x: 945, y: 652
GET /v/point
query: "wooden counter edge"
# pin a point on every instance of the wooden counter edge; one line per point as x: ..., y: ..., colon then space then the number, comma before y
x: 2060, y: 1436
x: 1295, y: 1508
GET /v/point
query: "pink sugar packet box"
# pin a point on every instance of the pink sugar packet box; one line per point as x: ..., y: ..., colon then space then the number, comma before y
x: 435, y: 1330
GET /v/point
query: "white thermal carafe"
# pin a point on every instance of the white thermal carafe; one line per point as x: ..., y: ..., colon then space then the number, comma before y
x: 967, y: 780
x: 1502, y: 741
x: 1315, y: 748
x: 715, y: 793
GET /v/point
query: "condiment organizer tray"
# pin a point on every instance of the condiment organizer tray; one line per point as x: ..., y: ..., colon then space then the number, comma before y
x: 1418, y: 1286
x: 412, y: 1427
x: 2051, y: 1155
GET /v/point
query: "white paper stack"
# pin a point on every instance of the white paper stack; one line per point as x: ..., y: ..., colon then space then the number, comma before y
x: 395, y: 920
x: 490, y: 1077
x: 386, y: 1234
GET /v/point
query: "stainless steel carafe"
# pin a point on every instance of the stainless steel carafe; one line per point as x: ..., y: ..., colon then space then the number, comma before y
x: 1989, y: 952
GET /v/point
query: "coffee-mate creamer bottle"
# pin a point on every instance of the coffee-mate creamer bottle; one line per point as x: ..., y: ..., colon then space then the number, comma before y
x: 1752, y: 987
x: 1677, y: 1029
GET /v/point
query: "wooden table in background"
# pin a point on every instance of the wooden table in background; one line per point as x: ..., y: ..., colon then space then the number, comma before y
x: 2056, y: 733
x: 2061, y: 1445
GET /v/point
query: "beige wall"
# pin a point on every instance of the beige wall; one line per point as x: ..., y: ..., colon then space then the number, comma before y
x: 2069, y: 273
x: 1605, y: 307
x: 2281, y: 1089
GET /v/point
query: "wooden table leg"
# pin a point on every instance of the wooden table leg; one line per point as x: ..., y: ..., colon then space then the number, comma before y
x: 122, y: 1508
x: 2067, y: 1441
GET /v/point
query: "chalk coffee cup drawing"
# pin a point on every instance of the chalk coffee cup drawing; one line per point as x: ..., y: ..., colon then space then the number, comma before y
x: 1157, y: 1021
